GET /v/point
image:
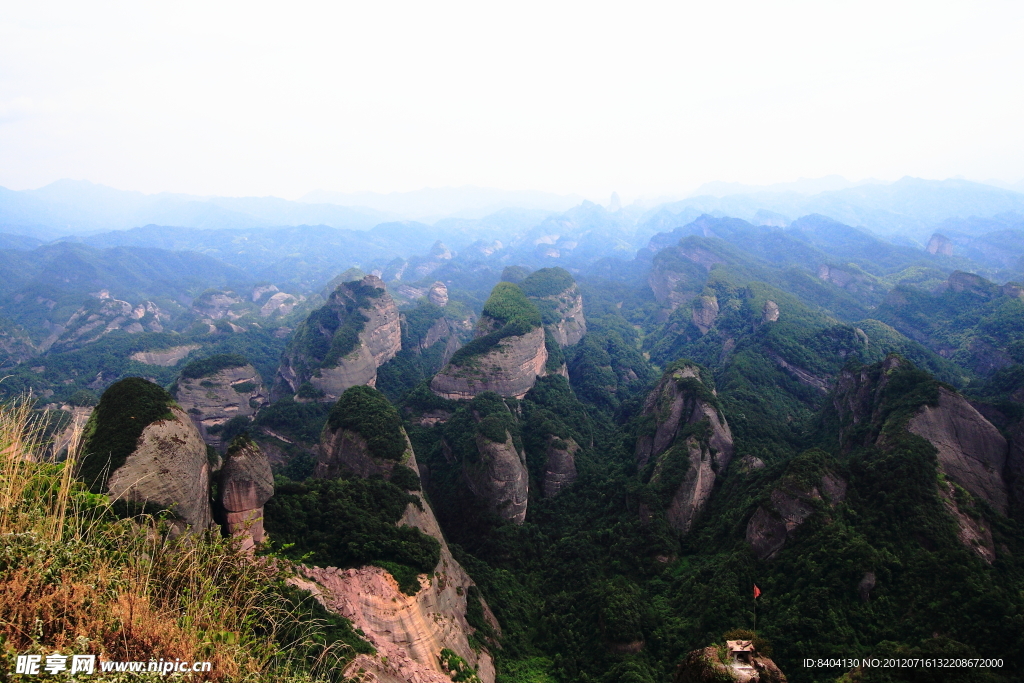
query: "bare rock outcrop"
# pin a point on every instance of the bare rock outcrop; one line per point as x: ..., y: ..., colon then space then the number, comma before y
x: 789, y: 505
x: 770, y: 313
x: 500, y: 478
x: 682, y: 399
x: 164, y: 357
x: 438, y: 294
x: 246, y: 485
x: 705, y: 312
x: 850, y: 278
x: 743, y: 666
x: 343, y: 343
x: 214, y: 397
x: 559, y: 466
x: 510, y: 369
x: 971, y: 451
x: 168, y: 468
x: 940, y: 245
x: 555, y: 293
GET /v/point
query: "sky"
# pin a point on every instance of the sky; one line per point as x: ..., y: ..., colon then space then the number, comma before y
x: 643, y: 98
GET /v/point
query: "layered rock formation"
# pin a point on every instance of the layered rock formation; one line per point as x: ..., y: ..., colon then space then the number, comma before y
x: 438, y: 294
x: 940, y: 245
x: 142, y: 447
x: 687, y: 427
x: 507, y: 356
x: 343, y: 343
x: 246, y: 484
x: 213, y: 393
x: 705, y: 311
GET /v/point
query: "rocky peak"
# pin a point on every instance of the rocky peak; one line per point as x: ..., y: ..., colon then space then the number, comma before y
x: 508, y: 354
x: 808, y: 486
x: 705, y: 312
x: 687, y: 445
x: 959, y: 282
x: 343, y: 343
x: 940, y: 245
x: 438, y: 294
x: 555, y: 293
x: 559, y: 465
x: 246, y: 485
x: 736, y: 662
x: 770, y: 313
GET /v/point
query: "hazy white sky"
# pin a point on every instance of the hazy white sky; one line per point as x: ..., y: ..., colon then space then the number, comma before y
x: 641, y: 97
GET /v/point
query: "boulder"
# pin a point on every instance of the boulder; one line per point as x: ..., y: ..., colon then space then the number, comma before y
x: 710, y: 664
x: 246, y: 485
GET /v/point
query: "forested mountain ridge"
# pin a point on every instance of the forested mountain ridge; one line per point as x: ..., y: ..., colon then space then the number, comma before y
x: 634, y: 441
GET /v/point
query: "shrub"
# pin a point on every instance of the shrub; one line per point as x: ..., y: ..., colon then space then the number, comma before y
x: 366, y: 411
x: 547, y: 282
x: 208, y: 366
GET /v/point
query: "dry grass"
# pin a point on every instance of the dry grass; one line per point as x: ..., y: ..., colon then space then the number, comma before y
x: 76, y: 579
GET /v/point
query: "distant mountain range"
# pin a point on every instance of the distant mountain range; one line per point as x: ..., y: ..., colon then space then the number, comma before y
x: 909, y: 209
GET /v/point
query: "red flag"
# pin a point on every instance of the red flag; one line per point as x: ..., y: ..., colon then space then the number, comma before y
x: 757, y: 592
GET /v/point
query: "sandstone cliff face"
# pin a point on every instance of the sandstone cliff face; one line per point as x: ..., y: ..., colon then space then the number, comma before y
x: 705, y: 312
x: 438, y: 294
x: 164, y: 357
x: 213, y: 400
x: 560, y: 465
x: 568, y: 310
x: 666, y: 278
x: 510, y: 369
x: 679, y: 401
x: 408, y: 632
x: 246, y: 485
x: 343, y: 451
x: 308, y: 358
x: 971, y: 451
x: 500, y: 478
x: 939, y: 244
x: 168, y: 468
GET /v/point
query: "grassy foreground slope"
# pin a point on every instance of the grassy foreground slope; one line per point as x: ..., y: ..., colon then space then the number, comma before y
x: 77, y: 579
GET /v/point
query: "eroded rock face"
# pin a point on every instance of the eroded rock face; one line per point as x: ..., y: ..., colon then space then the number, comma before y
x: 705, y: 312
x: 500, y: 478
x: 847, y: 278
x: 970, y: 450
x: 770, y: 313
x: 213, y: 400
x: 246, y: 485
x: 571, y: 325
x: 168, y: 468
x: 343, y: 451
x: 438, y: 294
x: 510, y: 369
x: 679, y: 400
x: 408, y: 632
x: 164, y: 357
x: 307, y: 357
x: 279, y: 304
x: 560, y: 466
